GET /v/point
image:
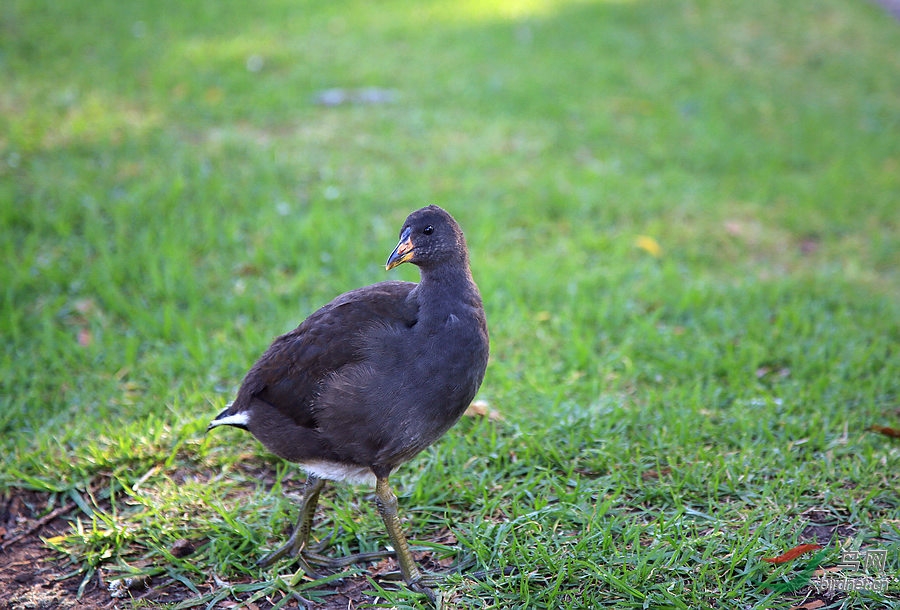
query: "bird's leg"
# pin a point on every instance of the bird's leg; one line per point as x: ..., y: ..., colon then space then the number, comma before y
x: 296, y: 544
x: 387, y: 507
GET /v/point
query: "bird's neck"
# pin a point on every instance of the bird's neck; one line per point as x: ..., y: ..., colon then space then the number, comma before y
x: 448, y: 287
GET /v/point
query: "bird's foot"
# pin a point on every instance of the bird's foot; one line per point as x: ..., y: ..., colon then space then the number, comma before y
x: 295, y: 547
x: 428, y: 583
x: 298, y: 552
x: 269, y: 560
x: 306, y: 560
x: 310, y: 558
x: 426, y: 588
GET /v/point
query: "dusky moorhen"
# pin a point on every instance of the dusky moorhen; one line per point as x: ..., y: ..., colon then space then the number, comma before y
x: 372, y: 378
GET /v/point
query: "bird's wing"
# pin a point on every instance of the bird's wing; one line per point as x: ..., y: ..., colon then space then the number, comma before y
x: 291, y: 372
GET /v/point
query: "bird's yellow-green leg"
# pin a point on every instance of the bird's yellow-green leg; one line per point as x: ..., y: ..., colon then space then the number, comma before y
x: 387, y: 507
x: 296, y: 544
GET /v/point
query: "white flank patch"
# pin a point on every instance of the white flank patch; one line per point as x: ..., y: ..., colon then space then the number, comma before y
x: 335, y: 471
x: 238, y: 419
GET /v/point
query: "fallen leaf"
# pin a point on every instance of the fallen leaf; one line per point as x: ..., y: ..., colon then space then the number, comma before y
x: 182, y: 548
x: 781, y: 372
x: 649, y: 245
x: 892, y: 432
x: 482, y: 408
x: 86, y: 306
x: 809, y: 245
x: 213, y: 95
x: 734, y: 227
x: 478, y: 408
x: 793, y: 553
x: 816, y: 603
x: 653, y: 474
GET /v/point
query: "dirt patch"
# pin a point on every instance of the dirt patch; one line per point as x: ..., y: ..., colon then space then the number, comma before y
x: 34, y: 576
x: 826, y: 527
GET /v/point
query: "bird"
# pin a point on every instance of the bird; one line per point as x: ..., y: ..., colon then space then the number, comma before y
x: 371, y: 379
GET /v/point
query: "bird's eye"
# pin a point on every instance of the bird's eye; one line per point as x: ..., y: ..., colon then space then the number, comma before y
x: 428, y: 230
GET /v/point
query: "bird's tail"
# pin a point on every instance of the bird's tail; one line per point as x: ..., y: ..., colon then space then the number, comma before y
x: 227, y: 418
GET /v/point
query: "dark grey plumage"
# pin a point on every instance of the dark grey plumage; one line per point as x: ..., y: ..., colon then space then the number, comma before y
x: 375, y: 376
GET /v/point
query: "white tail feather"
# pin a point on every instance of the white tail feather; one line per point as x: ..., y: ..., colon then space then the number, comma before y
x: 238, y: 419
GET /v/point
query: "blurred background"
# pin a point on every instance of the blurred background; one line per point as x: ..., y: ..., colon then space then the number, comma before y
x: 683, y: 215
x: 173, y: 172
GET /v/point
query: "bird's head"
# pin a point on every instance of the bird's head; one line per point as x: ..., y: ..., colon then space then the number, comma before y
x: 429, y: 237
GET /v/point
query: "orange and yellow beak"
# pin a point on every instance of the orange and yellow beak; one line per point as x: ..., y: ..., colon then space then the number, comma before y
x: 403, y: 252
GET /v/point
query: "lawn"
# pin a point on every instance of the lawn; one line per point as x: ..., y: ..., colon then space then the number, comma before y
x: 684, y: 218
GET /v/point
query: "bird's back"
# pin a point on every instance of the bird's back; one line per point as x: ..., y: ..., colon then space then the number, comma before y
x: 290, y: 374
x: 410, y: 386
x: 379, y: 373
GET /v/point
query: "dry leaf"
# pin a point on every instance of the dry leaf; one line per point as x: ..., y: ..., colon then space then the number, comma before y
x: 809, y: 245
x: 793, y: 553
x: 892, y: 432
x: 481, y: 408
x: 213, y: 95
x: 734, y: 227
x: 649, y: 245
x: 182, y: 548
x: 812, y: 605
x: 478, y: 408
x: 653, y: 474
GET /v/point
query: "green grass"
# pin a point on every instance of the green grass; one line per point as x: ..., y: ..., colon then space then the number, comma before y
x: 667, y: 421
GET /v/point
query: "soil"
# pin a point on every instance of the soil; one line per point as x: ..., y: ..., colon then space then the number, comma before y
x: 33, y: 576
